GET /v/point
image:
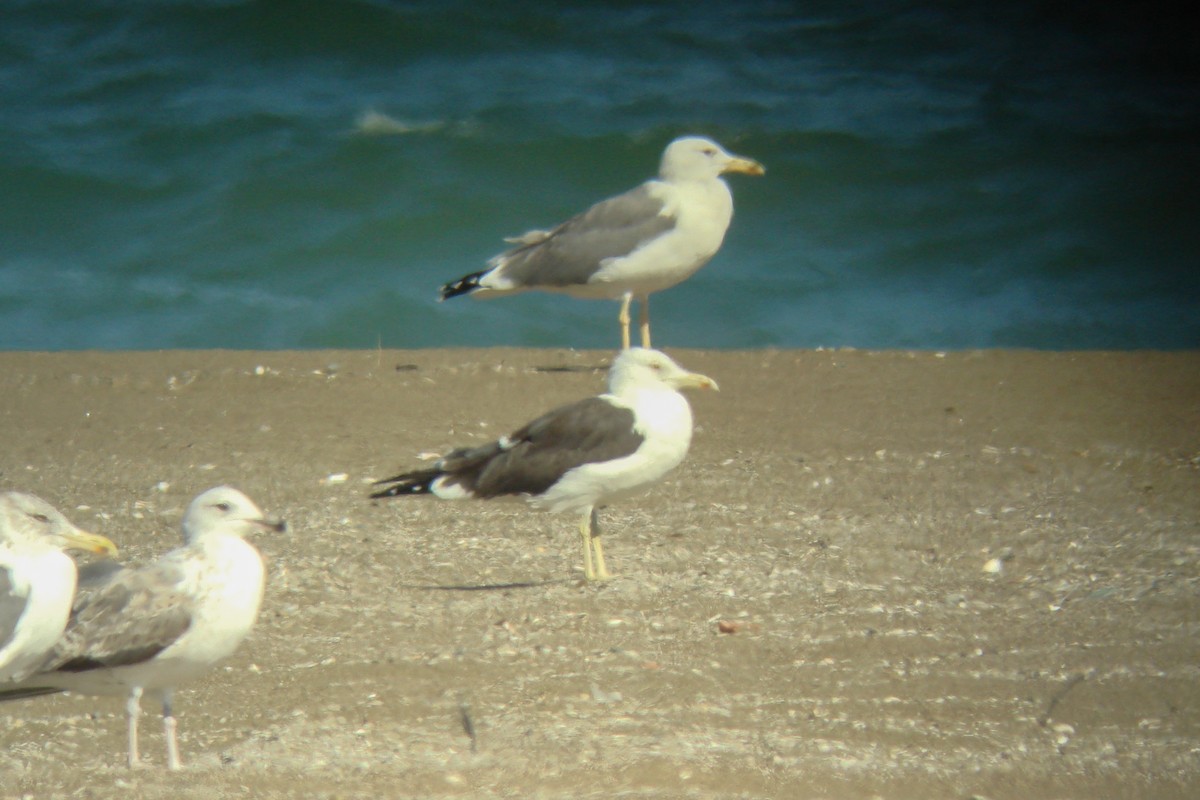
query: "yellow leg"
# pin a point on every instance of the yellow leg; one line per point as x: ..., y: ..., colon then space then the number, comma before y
x: 644, y: 319
x: 594, y: 559
x: 585, y: 533
x: 601, y: 570
x: 623, y: 318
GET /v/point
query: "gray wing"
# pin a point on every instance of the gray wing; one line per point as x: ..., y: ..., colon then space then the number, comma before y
x: 536, y: 456
x: 12, y: 606
x: 573, y: 252
x: 126, y: 618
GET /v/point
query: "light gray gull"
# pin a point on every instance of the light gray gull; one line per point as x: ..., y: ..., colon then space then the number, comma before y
x: 145, y: 631
x: 581, y: 455
x: 626, y: 247
x: 37, y: 579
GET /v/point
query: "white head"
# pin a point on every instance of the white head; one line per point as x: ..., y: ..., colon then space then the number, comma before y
x: 28, y: 519
x: 225, y: 508
x: 697, y: 158
x: 638, y: 367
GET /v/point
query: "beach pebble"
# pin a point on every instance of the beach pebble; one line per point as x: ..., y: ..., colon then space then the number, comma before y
x: 994, y: 566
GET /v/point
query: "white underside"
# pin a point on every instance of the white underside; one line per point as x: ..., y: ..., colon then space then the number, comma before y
x: 703, y: 211
x: 227, y: 586
x: 664, y: 418
x: 47, y: 579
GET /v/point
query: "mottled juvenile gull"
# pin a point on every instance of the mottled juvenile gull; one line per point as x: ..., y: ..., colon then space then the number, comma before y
x: 144, y: 631
x: 37, y: 579
x: 647, y: 239
x: 580, y: 455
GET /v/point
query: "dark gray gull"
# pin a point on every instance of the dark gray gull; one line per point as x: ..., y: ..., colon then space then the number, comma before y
x: 581, y: 455
x: 37, y: 579
x: 144, y: 631
x: 626, y: 247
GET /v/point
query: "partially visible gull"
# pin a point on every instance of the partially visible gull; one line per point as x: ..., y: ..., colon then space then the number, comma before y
x: 37, y: 579
x: 580, y: 455
x: 144, y: 631
x: 647, y: 239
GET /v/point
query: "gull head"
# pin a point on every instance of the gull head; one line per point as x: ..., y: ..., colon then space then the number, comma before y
x: 640, y: 367
x: 28, y: 519
x: 225, y: 508
x: 698, y: 158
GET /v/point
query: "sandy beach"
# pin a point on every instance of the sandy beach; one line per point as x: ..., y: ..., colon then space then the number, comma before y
x: 877, y: 574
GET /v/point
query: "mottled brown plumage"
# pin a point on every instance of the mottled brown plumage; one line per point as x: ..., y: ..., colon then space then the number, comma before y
x: 126, y: 620
x: 144, y: 631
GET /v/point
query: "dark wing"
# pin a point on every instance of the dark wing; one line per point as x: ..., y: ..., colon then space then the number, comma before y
x: 573, y: 252
x: 417, y: 482
x: 532, y: 459
x: 127, y: 619
x: 535, y: 457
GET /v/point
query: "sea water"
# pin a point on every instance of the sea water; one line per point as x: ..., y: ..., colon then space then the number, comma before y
x: 271, y: 174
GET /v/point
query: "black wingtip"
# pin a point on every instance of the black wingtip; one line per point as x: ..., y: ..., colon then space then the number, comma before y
x: 27, y: 692
x: 401, y: 485
x: 464, y: 285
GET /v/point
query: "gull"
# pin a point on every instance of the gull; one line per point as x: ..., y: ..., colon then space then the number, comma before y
x: 144, y: 631
x: 37, y: 579
x: 626, y: 247
x: 581, y: 455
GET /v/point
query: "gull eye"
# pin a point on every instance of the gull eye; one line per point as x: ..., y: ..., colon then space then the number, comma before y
x: 224, y: 508
x: 40, y: 517
x: 710, y: 151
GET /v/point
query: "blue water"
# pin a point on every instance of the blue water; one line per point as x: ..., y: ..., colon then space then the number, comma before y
x: 306, y: 174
